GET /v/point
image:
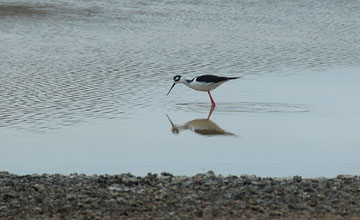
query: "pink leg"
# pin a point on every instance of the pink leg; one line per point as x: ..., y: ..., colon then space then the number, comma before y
x: 212, y: 100
x: 211, y: 111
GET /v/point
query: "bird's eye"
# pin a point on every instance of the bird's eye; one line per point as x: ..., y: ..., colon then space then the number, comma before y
x: 176, y: 78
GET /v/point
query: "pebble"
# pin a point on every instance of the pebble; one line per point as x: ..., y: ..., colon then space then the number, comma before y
x: 166, y: 196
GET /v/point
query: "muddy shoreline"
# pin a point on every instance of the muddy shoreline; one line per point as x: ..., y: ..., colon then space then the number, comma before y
x: 165, y: 196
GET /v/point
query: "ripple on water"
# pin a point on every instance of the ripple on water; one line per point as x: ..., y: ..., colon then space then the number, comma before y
x: 71, y: 61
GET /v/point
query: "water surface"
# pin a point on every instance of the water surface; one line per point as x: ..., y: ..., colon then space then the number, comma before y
x: 83, y: 87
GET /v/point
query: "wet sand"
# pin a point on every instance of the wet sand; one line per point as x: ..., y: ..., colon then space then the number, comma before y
x: 164, y: 196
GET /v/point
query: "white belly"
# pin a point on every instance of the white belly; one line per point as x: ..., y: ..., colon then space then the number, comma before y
x: 204, y: 87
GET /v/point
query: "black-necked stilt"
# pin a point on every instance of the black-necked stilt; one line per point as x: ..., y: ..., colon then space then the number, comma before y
x: 202, y: 126
x: 204, y: 83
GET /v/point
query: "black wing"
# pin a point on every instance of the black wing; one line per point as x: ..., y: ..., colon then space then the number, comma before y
x: 213, y: 79
x: 189, y: 80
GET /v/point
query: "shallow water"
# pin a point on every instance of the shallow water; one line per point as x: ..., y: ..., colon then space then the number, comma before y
x: 83, y: 87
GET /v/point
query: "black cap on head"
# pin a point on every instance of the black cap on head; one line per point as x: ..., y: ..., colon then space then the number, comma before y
x: 177, y: 78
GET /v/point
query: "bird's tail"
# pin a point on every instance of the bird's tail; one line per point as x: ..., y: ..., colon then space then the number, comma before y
x: 230, y: 78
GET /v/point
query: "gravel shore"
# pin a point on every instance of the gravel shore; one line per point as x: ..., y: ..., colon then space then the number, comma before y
x: 165, y: 196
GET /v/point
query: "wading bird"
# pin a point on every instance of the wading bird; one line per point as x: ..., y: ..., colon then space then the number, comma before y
x: 202, y: 126
x: 204, y: 83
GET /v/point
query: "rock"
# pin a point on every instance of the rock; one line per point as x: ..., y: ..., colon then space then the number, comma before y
x: 165, y: 196
x: 209, y: 174
x: 166, y: 174
x: 297, y: 179
x: 344, y: 177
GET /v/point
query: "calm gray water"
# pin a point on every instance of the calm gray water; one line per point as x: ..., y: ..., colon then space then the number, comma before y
x: 83, y: 85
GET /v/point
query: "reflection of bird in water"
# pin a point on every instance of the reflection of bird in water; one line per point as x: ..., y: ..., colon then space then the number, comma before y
x: 204, y: 83
x: 200, y: 126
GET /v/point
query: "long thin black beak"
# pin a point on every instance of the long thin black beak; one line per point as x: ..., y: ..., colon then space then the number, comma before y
x: 172, y: 124
x: 171, y: 89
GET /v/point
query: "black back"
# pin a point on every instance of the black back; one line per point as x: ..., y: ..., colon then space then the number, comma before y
x: 213, y: 79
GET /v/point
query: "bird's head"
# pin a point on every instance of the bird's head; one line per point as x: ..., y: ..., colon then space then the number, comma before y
x: 177, y: 79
